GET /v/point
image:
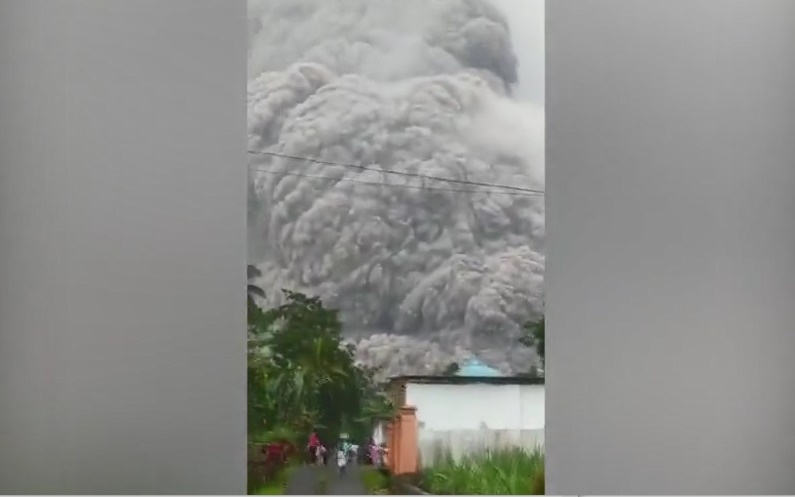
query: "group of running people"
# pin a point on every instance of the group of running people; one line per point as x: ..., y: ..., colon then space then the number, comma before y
x: 345, y: 452
x: 318, y: 453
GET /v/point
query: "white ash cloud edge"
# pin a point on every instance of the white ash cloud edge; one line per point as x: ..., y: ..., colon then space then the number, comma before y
x: 422, y: 277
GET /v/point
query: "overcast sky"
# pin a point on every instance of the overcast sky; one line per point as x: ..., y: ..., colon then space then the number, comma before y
x: 526, y: 18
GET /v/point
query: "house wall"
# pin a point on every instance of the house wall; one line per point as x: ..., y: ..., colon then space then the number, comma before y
x: 466, y: 418
x: 379, y: 433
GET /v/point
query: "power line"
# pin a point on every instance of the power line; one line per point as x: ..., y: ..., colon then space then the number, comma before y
x: 392, y: 185
x: 400, y: 173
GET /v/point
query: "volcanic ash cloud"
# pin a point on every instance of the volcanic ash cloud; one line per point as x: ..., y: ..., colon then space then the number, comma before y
x: 424, y: 272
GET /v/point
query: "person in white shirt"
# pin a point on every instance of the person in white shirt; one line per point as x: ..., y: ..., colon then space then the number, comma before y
x: 353, y: 452
x: 342, y: 458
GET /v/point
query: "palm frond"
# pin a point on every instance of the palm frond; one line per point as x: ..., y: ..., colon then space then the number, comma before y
x: 255, y: 290
x: 253, y: 272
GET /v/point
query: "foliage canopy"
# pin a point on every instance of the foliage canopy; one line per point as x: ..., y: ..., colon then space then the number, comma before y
x: 303, y: 377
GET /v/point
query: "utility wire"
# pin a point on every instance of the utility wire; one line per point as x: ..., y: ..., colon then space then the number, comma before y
x: 400, y: 173
x: 393, y: 185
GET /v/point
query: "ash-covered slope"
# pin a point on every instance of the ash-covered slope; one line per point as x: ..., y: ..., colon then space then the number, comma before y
x: 422, y: 275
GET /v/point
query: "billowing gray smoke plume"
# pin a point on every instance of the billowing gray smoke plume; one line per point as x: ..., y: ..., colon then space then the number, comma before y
x: 423, y: 276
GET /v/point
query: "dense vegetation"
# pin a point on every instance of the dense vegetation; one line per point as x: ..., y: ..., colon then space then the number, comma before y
x: 511, y: 471
x: 376, y: 481
x: 302, y: 377
x: 534, y: 337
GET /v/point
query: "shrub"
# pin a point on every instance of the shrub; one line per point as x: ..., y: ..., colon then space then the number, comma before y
x: 375, y: 480
x: 266, y: 462
x: 500, y: 471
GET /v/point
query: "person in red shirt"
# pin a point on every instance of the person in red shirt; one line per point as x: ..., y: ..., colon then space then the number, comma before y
x: 313, y: 447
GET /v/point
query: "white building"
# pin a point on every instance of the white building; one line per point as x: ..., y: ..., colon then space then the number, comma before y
x: 475, y: 409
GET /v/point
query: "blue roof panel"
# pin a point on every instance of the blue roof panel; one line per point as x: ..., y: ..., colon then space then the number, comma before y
x: 475, y: 368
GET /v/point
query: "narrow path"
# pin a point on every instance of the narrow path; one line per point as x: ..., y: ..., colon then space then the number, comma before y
x: 349, y: 483
x: 303, y: 481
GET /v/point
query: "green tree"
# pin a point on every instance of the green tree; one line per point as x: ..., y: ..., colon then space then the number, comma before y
x: 451, y: 369
x: 253, y: 290
x: 534, y: 337
x: 375, y: 404
x: 313, y: 380
x: 531, y: 373
x: 302, y: 375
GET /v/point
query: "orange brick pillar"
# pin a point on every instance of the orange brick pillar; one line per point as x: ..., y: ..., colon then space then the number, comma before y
x: 406, y: 458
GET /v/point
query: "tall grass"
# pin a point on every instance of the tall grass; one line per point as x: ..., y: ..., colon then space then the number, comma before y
x: 375, y: 480
x: 512, y: 471
x: 276, y: 485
